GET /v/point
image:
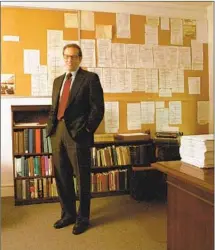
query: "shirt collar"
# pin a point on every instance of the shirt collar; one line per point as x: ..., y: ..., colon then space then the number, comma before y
x: 73, y: 72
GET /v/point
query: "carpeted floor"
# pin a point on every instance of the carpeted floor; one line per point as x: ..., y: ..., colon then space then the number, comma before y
x: 117, y: 223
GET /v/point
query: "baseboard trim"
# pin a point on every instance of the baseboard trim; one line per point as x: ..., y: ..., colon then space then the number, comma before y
x: 7, y: 191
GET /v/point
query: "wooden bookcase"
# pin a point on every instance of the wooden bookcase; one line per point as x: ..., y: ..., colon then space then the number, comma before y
x: 34, y: 182
x: 119, y: 165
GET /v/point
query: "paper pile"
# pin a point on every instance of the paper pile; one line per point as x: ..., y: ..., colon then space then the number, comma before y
x: 198, y: 150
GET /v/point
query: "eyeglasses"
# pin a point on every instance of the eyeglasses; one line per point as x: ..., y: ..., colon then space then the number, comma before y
x: 67, y: 57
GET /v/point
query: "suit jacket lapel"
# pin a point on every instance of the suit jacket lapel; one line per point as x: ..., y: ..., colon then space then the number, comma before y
x: 58, y: 88
x: 76, y: 85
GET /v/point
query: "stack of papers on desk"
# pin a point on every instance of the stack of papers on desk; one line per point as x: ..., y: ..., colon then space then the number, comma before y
x: 198, y: 150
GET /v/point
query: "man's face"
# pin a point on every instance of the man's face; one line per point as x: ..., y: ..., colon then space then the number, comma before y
x: 71, y: 59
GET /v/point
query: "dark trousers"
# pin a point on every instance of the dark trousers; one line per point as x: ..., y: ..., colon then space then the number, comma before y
x: 71, y: 159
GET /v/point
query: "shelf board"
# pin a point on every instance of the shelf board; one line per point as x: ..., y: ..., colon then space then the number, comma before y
x: 26, y: 127
x: 111, y: 167
x: 33, y: 177
x: 31, y: 154
x: 119, y: 143
x: 119, y: 166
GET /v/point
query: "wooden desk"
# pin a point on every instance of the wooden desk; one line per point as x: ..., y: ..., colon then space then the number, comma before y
x: 190, y: 216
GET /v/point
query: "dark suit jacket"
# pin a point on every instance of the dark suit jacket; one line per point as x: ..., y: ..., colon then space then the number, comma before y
x: 85, y: 107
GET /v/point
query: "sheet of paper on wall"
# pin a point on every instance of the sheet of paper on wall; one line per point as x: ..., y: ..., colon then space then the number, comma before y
x: 55, y: 63
x: 165, y: 80
x: 142, y: 81
x: 103, y: 31
x: 162, y: 119
x: 194, y: 85
x: 170, y: 129
x: 203, y: 112
x: 175, y: 112
x: 151, y: 34
x: 7, y: 84
x: 123, y: 25
x: 39, y: 82
x: 171, y: 60
x: 148, y: 112
x: 159, y: 105
x: 184, y: 58
x: 145, y: 56
x: 88, y: 51
x: 197, y: 55
x: 71, y: 20
x: 121, y: 81
x: 202, y: 31
x: 133, y: 116
x: 104, y: 52
x: 31, y: 60
x: 106, y: 80
x: 164, y: 23
x: 165, y: 92
x: 11, y: 38
x: 127, y: 86
x: 152, y: 21
x: 54, y: 39
x: 138, y: 79
x: 98, y: 71
x: 132, y: 55
x: 111, y: 117
x: 115, y: 81
x: 65, y: 42
x: 176, y: 31
x: 177, y: 81
x: 87, y: 20
x: 189, y: 28
x: 151, y: 80
x: 159, y: 53
x: 118, y: 55
x: 135, y: 79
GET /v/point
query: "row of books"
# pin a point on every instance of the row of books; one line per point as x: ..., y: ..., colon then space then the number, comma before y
x: 122, y: 155
x: 33, y: 166
x: 27, y: 189
x: 31, y: 141
x: 35, y: 188
x: 115, y: 180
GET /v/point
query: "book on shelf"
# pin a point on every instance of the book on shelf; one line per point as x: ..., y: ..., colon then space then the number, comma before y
x: 103, y: 137
x: 133, y: 137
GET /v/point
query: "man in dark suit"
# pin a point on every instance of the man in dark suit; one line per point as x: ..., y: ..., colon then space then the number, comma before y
x: 76, y: 112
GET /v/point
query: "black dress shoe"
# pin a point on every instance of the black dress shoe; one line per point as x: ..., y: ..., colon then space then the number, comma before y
x: 64, y: 223
x: 80, y: 227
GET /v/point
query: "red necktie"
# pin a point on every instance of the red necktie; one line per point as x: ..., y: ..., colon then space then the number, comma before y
x: 64, y: 97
